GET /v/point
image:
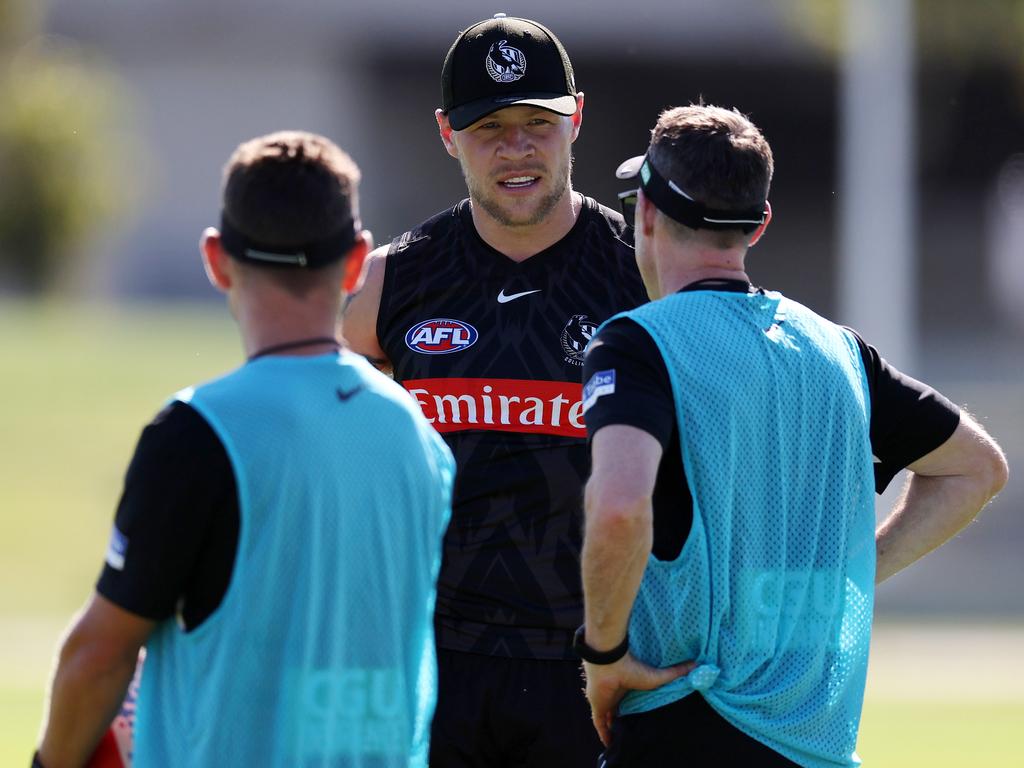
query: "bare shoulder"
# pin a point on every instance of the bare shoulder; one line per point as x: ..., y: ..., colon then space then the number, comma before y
x: 359, y: 317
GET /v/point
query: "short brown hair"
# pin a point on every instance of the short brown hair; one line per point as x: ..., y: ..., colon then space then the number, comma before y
x: 290, y: 188
x: 716, y: 155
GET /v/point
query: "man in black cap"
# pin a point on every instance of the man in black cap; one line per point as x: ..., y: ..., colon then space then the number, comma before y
x: 483, y: 313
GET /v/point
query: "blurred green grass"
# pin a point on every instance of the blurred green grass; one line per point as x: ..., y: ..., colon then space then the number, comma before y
x: 78, y: 383
x: 953, y: 733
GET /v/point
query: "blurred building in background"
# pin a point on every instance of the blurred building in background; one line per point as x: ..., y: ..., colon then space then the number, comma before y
x: 206, y: 74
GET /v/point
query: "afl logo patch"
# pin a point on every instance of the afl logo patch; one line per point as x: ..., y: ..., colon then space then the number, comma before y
x: 440, y: 336
x: 505, y: 64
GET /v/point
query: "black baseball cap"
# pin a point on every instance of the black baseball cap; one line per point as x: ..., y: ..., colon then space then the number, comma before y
x: 502, y: 62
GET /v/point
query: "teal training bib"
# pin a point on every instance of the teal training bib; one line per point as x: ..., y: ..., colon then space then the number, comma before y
x: 772, y: 593
x: 322, y: 651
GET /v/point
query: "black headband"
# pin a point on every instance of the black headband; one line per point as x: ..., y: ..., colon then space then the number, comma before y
x: 311, y: 255
x: 671, y: 200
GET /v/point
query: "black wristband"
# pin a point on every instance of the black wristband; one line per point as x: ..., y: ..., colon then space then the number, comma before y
x: 36, y: 762
x: 585, y: 652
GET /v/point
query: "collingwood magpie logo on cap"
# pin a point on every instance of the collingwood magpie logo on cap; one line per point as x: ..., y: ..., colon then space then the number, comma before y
x: 504, y: 63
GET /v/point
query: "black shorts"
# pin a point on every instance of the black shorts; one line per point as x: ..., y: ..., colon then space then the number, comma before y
x: 686, y: 732
x: 495, y: 712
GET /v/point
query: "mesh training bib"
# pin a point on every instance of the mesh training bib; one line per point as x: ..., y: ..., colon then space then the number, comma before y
x: 322, y: 652
x: 772, y: 593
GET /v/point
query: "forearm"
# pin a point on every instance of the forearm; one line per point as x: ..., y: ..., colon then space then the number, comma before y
x: 929, y: 512
x: 85, y: 697
x: 946, y: 490
x: 616, y: 547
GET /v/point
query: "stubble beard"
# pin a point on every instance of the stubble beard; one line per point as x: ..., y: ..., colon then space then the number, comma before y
x: 507, y: 216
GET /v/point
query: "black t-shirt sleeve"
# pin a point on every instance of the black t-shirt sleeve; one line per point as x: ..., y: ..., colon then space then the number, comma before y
x: 909, y: 419
x: 625, y: 382
x: 176, y: 527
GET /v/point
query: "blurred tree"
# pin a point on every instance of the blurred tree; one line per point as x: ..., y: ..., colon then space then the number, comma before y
x: 970, y: 79
x: 65, y: 142
x: 947, y: 30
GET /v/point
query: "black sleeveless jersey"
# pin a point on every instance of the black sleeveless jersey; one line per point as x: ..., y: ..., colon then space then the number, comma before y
x: 492, y: 350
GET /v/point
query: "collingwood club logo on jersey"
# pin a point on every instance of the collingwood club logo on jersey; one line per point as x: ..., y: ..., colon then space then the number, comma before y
x: 505, y: 64
x: 575, y: 337
x: 440, y: 336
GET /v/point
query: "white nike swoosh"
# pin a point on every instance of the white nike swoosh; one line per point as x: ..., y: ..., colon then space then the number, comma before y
x: 503, y: 299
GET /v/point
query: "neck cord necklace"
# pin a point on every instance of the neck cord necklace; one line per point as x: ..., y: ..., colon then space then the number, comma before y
x: 295, y: 345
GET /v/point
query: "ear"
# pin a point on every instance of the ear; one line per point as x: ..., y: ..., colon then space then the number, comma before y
x: 445, y: 129
x: 764, y: 225
x: 352, y: 276
x: 645, y: 214
x: 216, y: 260
x: 577, y: 118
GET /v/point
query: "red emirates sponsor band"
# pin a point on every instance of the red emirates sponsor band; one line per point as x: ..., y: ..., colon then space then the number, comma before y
x: 504, y: 405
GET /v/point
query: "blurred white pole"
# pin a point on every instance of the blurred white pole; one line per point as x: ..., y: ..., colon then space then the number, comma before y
x: 877, y: 287
x: 1006, y: 233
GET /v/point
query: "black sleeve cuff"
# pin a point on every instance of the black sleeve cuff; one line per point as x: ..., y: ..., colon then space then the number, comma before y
x: 641, y: 392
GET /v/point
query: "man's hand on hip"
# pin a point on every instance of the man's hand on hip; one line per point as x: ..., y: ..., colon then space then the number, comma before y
x: 608, y: 683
